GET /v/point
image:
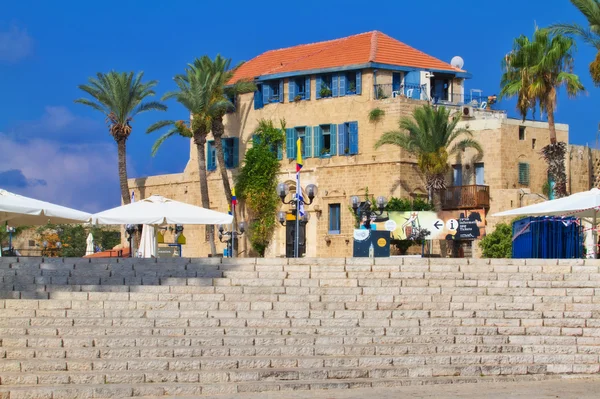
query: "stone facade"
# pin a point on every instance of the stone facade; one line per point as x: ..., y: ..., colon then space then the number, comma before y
x: 387, y: 171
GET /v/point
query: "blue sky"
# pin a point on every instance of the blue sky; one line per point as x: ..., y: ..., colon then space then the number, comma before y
x: 53, y: 149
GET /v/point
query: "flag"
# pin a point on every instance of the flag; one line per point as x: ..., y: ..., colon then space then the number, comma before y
x: 229, y: 209
x: 233, y: 197
x: 298, y: 155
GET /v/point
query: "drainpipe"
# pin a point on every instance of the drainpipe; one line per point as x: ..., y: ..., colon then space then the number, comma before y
x: 375, y: 83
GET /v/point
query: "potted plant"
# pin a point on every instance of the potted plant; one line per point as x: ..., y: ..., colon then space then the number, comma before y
x: 346, y: 150
x: 325, y: 152
x: 381, y: 94
x: 351, y: 88
x: 325, y: 91
x: 298, y: 98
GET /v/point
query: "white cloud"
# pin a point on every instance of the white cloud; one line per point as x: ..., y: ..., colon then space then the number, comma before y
x: 59, y: 123
x: 82, y: 176
x: 15, y: 44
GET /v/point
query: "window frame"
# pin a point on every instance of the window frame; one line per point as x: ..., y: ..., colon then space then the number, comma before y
x: 337, y: 222
x: 524, y: 177
x: 522, y: 133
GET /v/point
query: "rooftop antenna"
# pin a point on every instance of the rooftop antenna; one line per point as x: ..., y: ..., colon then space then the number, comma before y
x: 457, y: 62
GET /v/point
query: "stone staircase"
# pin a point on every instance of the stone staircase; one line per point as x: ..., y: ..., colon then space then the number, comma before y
x: 75, y: 328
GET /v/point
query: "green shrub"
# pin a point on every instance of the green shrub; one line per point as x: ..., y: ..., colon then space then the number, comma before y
x: 499, y: 243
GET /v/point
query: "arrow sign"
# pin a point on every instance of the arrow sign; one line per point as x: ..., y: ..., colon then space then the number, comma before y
x: 439, y: 224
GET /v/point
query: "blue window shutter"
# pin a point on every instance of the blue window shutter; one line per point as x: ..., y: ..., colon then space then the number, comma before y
x: 280, y: 151
x: 280, y: 90
x: 236, y: 152
x: 358, y: 82
x: 226, y: 145
x: 396, y: 81
x: 342, y: 84
x: 353, y: 137
x: 265, y: 92
x: 210, y: 159
x: 291, y: 89
x: 308, y: 142
x: 457, y: 175
x: 258, y: 98
x: 479, y: 174
x: 307, y: 88
x: 319, y: 84
x: 333, y: 139
x: 342, y: 145
x: 290, y: 144
x: 334, y: 85
x: 318, y: 139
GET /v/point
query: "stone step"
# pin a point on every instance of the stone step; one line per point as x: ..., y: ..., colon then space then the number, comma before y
x: 289, y: 362
x: 187, y: 373
x: 188, y: 390
x: 278, y: 348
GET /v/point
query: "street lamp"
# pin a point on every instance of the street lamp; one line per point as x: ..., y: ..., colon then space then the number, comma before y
x: 45, y: 245
x: 366, y: 209
x: 297, y: 203
x: 10, y: 231
x: 130, y: 229
x: 230, y: 236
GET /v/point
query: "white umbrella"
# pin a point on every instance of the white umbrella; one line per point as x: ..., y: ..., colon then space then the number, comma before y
x: 158, y: 210
x: 147, y: 247
x: 583, y: 205
x: 89, y: 247
x: 18, y: 210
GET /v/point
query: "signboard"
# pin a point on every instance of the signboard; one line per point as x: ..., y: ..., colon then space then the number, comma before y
x: 375, y: 243
x: 445, y: 225
x: 166, y: 252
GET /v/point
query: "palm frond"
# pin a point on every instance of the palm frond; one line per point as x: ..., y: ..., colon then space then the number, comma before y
x: 159, y: 125
x: 93, y: 105
x: 162, y: 139
x: 149, y: 106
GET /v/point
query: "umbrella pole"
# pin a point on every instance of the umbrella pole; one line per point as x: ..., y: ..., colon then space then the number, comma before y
x: 594, y: 236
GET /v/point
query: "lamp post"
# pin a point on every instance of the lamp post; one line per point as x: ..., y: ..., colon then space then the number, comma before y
x: 230, y: 236
x: 366, y: 208
x: 130, y: 230
x: 298, y: 203
x: 45, y: 245
x: 10, y: 231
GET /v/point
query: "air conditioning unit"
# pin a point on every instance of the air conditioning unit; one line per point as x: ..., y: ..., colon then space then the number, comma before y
x: 468, y: 112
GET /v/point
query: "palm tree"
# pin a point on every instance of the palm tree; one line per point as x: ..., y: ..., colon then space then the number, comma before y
x: 534, y: 71
x: 431, y: 132
x: 195, y: 93
x: 220, y: 69
x: 119, y: 96
x: 590, y: 34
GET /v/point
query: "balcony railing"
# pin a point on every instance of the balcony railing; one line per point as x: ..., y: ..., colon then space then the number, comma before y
x: 416, y: 92
x: 466, y: 197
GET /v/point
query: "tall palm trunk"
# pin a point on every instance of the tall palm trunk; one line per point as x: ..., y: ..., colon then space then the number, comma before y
x: 200, y: 141
x: 554, y: 154
x: 218, y: 130
x: 122, y: 159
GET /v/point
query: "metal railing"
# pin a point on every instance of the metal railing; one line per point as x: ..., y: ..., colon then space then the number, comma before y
x: 416, y: 92
x: 466, y: 197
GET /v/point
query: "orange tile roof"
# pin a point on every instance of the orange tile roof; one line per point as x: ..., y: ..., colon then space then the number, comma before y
x: 369, y: 47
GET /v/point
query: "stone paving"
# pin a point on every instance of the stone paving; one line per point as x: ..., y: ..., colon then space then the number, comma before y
x: 561, y: 389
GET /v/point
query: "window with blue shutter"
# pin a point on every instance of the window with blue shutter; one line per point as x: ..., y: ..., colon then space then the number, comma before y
x: 258, y: 97
x: 308, y: 150
x: 334, y: 85
x: 457, y: 175
x: 307, y: 88
x: 479, y: 176
x: 524, y: 173
x: 332, y: 139
x: 335, y: 219
x: 272, y: 91
x: 317, y: 141
x: 291, y: 89
x: 358, y: 83
x: 326, y: 86
x: 230, y: 152
x: 211, y: 156
x: 353, y: 137
x: 342, y: 141
x: 342, y: 84
x: 290, y: 143
x: 280, y: 151
x: 412, y: 84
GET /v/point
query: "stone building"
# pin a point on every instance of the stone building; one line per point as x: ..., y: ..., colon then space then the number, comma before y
x: 325, y: 92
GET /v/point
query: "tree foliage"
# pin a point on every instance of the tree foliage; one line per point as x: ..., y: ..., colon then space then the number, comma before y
x: 257, y: 183
x: 120, y: 96
x: 407, y: 205
x: 498, y: 244
x: 534, y: 72
x: 432, y: 136
x: 73, y: 238
x: 590, y: 34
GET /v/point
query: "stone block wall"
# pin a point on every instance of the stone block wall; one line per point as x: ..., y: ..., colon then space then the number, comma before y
x: 128, y: 327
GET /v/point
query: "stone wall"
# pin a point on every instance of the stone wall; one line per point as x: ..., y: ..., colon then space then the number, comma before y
x: 119, y: 328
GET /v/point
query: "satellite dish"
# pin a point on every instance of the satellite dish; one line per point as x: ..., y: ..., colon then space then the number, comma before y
x: 457, y: 62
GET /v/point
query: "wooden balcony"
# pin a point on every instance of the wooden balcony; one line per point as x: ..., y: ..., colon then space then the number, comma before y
x: 466, y: 197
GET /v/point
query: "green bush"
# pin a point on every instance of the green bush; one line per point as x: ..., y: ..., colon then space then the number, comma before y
x: 499, y: 243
